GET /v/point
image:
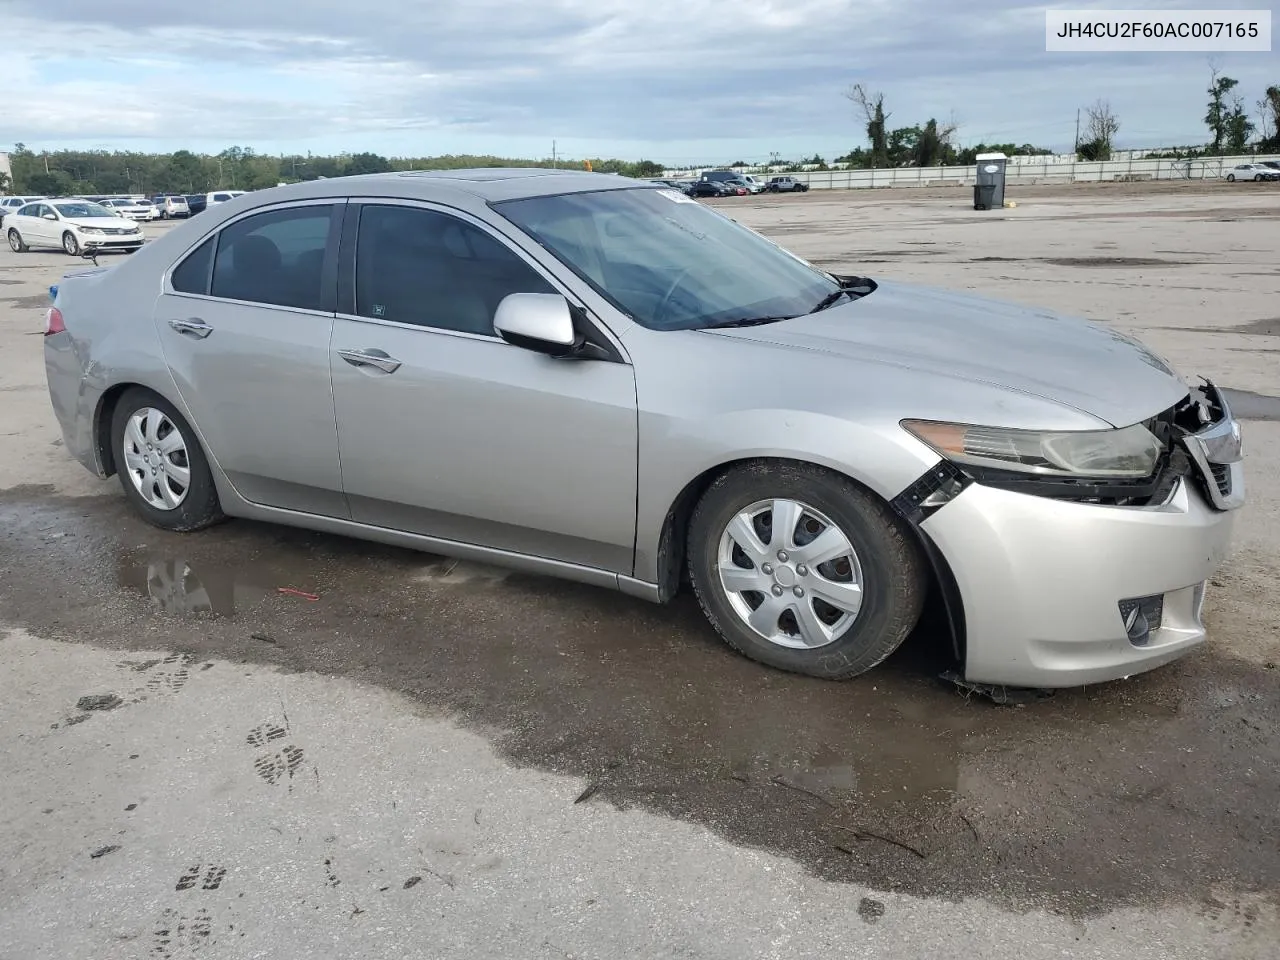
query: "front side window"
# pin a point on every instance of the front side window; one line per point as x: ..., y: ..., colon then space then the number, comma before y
x: 275, y: 257
x: 669, y: 262
x: 427, y: 268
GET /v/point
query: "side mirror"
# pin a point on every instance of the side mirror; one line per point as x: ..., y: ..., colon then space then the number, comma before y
x: 50, y: 216
x: 537, y: 321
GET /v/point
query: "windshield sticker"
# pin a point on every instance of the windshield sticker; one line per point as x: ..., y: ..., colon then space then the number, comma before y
x: 675, y: 196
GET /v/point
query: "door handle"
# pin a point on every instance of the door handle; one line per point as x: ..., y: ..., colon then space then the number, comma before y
x: 371, y: 358
x: 192, y: 325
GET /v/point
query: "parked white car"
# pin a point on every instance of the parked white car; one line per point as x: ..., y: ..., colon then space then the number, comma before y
x: 1252, y: 171
x: 222, y: 196
x: 77, y: 226
x: 132, y: 209
x: 12, y: 204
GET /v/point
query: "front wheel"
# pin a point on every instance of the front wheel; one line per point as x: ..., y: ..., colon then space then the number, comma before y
x: 70, y: 244
x: 800, y: 568
x: 162, y: 469
x: 16, y: 243
x: 1257, y: 178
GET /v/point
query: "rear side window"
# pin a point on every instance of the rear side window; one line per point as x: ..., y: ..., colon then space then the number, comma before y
x: 192, y: 274
x: 275, y: 257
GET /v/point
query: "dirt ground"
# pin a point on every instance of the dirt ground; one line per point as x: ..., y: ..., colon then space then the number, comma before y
x: 437, y: 759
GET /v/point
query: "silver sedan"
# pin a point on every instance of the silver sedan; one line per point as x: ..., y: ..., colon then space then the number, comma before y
x: 590, y: 377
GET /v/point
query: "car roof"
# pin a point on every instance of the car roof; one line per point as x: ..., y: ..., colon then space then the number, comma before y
x: 489, y: 184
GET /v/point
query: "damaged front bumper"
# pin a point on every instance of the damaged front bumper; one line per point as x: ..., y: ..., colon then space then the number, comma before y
x: 1088, y: 584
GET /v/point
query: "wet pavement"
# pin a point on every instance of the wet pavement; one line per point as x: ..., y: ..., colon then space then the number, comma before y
x: 1124, y: 794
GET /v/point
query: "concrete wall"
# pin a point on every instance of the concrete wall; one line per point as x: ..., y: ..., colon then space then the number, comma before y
x: 1026, y: 170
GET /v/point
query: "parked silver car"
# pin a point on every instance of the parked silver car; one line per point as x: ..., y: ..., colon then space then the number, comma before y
x: 584, y: 376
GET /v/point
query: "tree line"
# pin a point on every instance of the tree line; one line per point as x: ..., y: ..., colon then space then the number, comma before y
x: 92, y: 172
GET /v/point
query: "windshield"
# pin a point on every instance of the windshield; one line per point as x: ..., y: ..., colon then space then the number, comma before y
x: 669, y: 262
x: 82, y: 210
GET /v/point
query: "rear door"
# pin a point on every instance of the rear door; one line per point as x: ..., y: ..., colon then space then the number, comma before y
x: 245, y: 321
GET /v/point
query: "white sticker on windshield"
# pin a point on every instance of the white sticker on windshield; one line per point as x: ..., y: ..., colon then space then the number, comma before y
x: 675, y: 196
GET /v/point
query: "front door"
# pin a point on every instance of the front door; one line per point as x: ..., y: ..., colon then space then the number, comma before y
x: 42, y: 227
x: 244, y: 332
x: 447, y: 430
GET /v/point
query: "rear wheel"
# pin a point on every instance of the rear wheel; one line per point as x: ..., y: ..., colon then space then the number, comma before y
x: 161, y: 467
x: 70, y: 244
x: 16, y: 243
x: 802, y: 569
x: 1231, y: 178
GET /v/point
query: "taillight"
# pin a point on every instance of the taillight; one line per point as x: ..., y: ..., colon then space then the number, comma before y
x: 53, y: 322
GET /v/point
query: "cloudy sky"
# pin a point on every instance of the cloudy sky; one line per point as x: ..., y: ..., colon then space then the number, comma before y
x: 672, y: 80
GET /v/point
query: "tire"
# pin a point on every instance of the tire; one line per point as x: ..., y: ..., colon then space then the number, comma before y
x: 70, y: 244
x: 198, y: 505
x: 1257, y: 178
x: 884, y: 558
x: 1231, y: 178
x: 16, y: 243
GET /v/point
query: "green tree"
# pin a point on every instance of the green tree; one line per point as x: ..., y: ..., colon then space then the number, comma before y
x: 1218, y: 116
x: 55, y: 184
x: 1239, y: 127
x: 872, y: 107
x: 361, y: 163
x: 1269, y: 107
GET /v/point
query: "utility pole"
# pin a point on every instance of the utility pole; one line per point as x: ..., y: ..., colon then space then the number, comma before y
x: 1076, y: 148
x: 553, y: 155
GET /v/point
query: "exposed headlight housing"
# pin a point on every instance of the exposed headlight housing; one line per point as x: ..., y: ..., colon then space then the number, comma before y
x: 1128, y: 452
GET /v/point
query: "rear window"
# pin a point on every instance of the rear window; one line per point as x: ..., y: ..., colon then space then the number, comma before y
x: 192, y: 274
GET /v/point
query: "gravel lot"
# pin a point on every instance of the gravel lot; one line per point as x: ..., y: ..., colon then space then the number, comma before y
x: 198, y: 765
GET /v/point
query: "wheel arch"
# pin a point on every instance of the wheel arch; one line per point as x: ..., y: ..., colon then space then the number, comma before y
x: 672, y: 550
x: 105, y: 410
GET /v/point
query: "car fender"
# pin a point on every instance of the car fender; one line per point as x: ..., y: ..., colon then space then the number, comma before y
x: 677, y: 458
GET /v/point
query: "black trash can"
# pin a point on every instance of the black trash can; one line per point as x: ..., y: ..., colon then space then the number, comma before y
x: 983, y: 195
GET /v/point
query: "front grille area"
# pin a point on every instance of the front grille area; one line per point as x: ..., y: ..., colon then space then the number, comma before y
x: 1222, y: 477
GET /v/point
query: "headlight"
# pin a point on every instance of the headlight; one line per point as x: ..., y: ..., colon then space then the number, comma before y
x: 1127, y: 452
x: 89, y: 229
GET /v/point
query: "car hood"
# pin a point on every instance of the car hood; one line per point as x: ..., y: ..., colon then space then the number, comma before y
x: 1068, y: 360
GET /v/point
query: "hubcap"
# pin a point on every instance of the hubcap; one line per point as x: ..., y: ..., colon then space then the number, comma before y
x: 790, y: 573
x: 155, y: 456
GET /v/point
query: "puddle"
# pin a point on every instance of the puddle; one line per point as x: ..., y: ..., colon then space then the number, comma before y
x: 177, y: 587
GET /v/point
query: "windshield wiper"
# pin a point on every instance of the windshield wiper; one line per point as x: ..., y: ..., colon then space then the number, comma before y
x: 858, y: 288
x: 829, y: 299
x: 743, y: 322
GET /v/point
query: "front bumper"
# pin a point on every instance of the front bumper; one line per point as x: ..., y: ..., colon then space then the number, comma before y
x: 106, y: 241
x: 1043, y: 581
